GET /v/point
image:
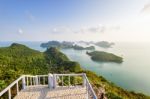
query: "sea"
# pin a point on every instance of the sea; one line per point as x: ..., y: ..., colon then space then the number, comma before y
x: 133, y: 74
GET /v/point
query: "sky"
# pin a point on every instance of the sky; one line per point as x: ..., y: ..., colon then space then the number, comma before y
x: 74, y: 20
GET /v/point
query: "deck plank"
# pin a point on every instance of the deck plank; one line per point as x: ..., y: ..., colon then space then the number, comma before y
x: 43, y: 92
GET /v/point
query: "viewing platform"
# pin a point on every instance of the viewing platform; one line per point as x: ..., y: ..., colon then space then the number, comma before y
x: 52, y: 86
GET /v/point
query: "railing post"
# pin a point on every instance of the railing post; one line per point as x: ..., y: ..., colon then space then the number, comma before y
x: 50, y: 81
x: 54, y: 81
x: 27, y: 81
x: 62, y: 81
x: 69, y: 80
x: 23, y: 83
x: 9, y: 93
x: 84, y: 79
x: 36, y: 80
x: 31, y: 81
x: 17, y: 88
x: 43, y: 80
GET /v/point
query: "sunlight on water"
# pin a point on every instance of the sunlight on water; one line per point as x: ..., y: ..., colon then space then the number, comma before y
x: 132, y: 74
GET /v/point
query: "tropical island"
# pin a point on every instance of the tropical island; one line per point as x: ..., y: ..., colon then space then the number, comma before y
x: 77, y: 47
x: 104, y: 44
x: 65, y: 45
x: 19, y: 59
x: 102, y: 56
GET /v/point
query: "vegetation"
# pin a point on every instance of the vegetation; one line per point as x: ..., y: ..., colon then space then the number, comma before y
x: 19, y: 59
x: 65, y: 45
x: 104, y: 57
x: 112, y: 91
x: 57, y: 44
x: 77, y: 47
x: 104, y: 44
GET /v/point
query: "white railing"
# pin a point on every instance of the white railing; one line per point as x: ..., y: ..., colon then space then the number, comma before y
x: 59, y: 82
x: 27, y: 80
x: 52, y: 81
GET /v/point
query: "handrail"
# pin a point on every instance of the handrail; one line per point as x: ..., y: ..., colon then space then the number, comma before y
x: 69, y: 74
x: 29, y: 80
x: 25, y: 82
x: 12, y: 84
x: 88, y: 83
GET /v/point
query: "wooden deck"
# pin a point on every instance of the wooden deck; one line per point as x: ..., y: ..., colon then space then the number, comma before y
x: 43, y: 92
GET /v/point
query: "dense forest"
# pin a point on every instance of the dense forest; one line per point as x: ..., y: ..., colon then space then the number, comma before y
x: 18, y: 59
x: 104, y: 57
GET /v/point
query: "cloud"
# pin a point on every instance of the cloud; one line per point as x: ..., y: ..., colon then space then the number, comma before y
x: 99, y: 29
x: 146, y: 9
x: 20, y: 31
x: 93, y: 29
x: 62, y: 29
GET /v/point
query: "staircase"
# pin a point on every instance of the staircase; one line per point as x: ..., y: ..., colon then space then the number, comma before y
x: 51, y: 86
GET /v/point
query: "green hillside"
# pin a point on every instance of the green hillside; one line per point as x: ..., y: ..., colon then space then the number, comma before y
x: 19, y: 59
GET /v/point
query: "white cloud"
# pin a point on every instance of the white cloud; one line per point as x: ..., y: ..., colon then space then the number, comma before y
x: 20, y: 31
x: 99, y: 29
x: 93, y: 29
x: 62, y: 29
x: 146, y: 9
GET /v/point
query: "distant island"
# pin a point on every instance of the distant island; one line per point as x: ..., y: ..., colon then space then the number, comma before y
x: 77, y: 47
x: 104, y: 57
x: 65, y: 45
x: 104, y: 44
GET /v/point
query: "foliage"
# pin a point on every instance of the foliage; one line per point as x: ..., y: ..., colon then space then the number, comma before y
x: 65, y: 45
x: 19, y: 59
x: 104, y: 57
x: 112, y: 91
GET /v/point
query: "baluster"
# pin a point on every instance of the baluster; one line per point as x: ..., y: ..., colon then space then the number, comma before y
x: 36, y: 79
x: 39, y: 80
x: 69, y: 80
x: 17, y: 88
x: 43, y: 80
x: 27, y: 81
x: 62, y: 81
x: 9, y: 93
x: 23, y: 83
x: 84, y: 80
x: 31, y: 81
x: 55, y: 80
x: 74, y: 81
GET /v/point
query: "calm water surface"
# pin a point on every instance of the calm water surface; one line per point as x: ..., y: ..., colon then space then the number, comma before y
x: 132, y: 74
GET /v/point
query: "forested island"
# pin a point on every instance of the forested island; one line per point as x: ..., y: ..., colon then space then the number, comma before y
x: 65, y: 45
x: 19, y: 59
x: 103, y: 44
x: 102, y: 56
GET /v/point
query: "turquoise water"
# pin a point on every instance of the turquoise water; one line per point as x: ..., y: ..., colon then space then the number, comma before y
x: 133, y: 74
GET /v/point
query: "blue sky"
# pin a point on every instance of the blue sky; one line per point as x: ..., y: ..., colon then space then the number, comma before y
x: 43, y: 20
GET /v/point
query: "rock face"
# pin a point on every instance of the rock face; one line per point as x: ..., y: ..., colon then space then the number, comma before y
x: 104, y: 57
